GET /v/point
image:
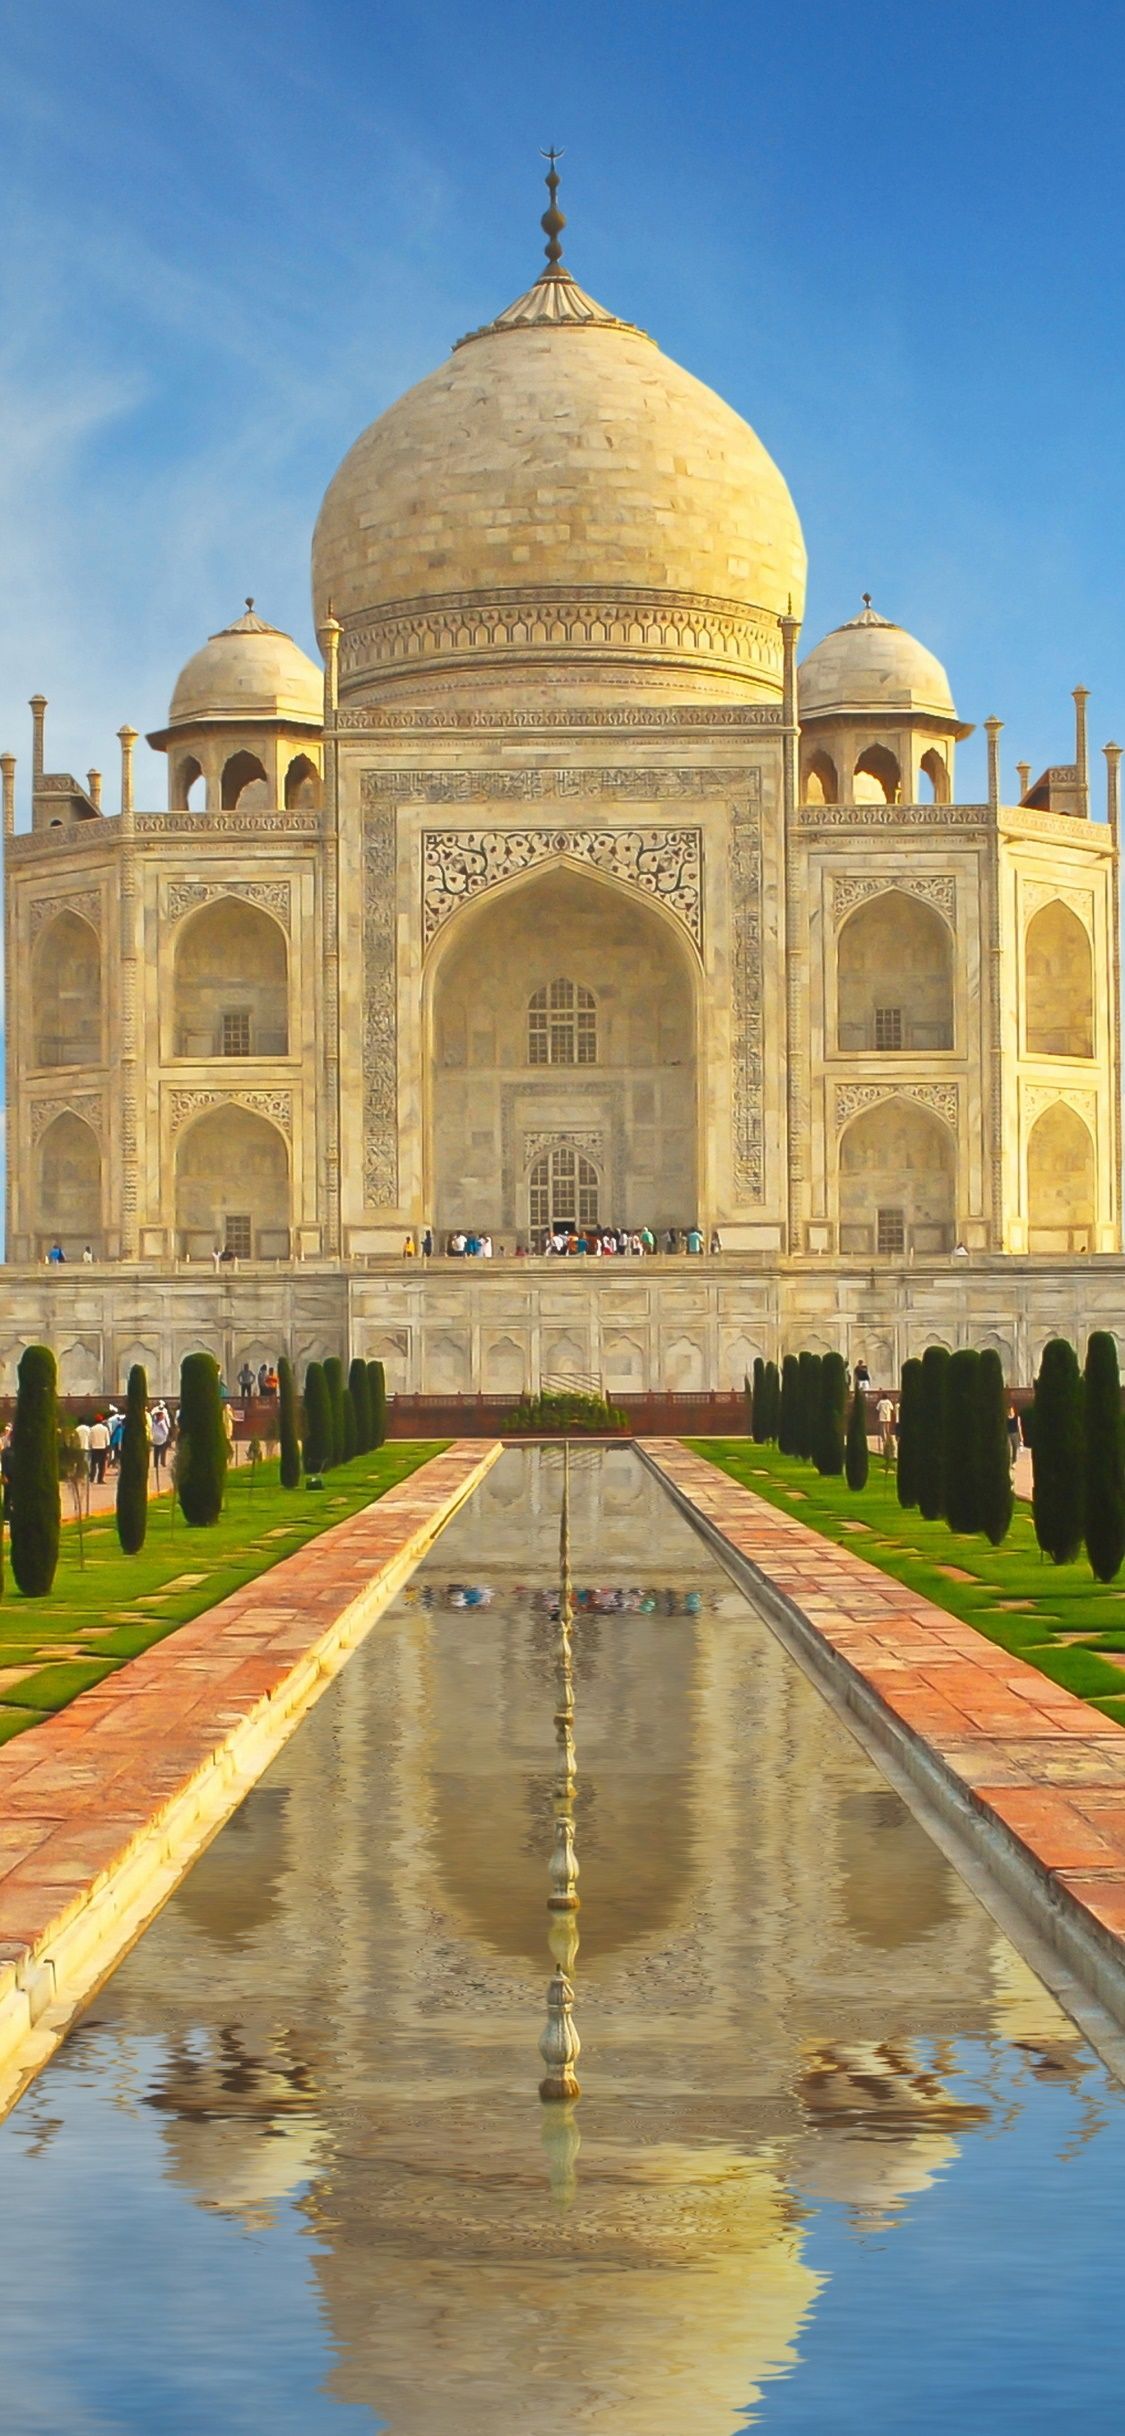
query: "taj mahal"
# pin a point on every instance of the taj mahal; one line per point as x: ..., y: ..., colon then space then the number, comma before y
x: 571, y: 887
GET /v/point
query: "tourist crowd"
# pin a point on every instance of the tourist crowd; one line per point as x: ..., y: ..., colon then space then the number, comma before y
x: 562, y: 1242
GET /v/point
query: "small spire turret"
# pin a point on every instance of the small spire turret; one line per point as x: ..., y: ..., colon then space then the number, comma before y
x: 553, y: 221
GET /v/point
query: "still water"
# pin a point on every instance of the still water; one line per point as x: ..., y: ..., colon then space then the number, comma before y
x: 840, y: 2163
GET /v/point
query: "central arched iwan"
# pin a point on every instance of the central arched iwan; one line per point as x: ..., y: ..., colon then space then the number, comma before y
x: 495, y: 1105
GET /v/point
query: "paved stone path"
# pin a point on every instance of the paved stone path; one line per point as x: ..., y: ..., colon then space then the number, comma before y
x: 1031, y: 1759
x: 104, y: 1806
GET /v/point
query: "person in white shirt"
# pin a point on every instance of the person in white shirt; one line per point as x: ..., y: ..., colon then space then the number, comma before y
x: 99, y: 1447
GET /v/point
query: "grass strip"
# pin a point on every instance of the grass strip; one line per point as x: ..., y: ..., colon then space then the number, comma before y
x: 261, y: 1524
x: 1055, y: 1600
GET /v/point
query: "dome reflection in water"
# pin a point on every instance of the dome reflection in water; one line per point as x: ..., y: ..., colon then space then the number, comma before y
x: 828, y: 2117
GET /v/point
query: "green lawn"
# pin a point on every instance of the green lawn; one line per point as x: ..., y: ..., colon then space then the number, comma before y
x: 1013, y: 1595
x: 98, y: 1616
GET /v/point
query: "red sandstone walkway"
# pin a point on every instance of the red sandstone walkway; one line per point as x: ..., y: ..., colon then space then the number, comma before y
x: 1027, y: 1754
x: 103, y: 1806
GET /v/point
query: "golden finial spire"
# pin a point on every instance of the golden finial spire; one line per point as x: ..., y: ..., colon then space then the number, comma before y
x: 553, y: 221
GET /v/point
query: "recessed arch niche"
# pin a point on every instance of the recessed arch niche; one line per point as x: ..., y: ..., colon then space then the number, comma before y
x: 631, y: 1112
x: 230, y: 991
x: 1059, y: 967
x: 66, y: 988
x: 69, y: 1184
x: 894, y: 977
x: 232, y: 1185
x: 1060, y: 1182
x: 897, y: 1157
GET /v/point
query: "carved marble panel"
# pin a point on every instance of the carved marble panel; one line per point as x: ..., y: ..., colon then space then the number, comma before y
x: 569, y: 782
x: 185, y: 896
x: 1038, y: 893
x: 85, y: 1104
x: 582, y: 621
x: 747, y: 1112
x: 84, y: 901
x: 276, y: 1105
x: 1037, y: 1097
x: 938, y: 890
x: 380, y: 1008
x: 852, y: 1098
x: 458, y: 864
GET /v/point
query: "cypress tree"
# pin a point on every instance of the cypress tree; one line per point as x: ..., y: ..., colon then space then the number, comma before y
x: 318, y: 1421
x: 361, y: 1399
x: 34, y: 1475
x: 1058, y: 1454
x: 377, y: 1378
x: 808, y: 1403
x: 787, y: 1405
x: 856, y: 1452
x: 758, y: 1402
x: 747, y: 1405
x: 203, y: 1468
x: 334, y: 1381
x: 351, y: 1428
x: 993, y: 1457
x: 1105, y: 1458
x: 931, y: 1455
x: 773, y: 1400
x: 829, y: 1449
x: 909, y: 1432
x: 287, y: 1414
x: 962, y: 1442
x: 132, y: 1477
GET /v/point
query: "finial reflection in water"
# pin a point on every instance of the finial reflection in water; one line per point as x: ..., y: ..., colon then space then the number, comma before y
x: 560, y: 2045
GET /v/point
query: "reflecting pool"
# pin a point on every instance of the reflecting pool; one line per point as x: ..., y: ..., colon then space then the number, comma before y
x: 840, y: 2163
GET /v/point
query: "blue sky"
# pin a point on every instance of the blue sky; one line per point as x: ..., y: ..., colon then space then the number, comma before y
x: 236, y: 229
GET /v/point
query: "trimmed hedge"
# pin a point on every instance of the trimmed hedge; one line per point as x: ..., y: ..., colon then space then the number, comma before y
x: 829, y: 1449
x: 808, y: 1404
x: 788, y: 1401
x: 334, y: 1381
x: 290, y: 1465
x: 1104, y: 1504
x: 203, y: 1450
x: 856, y: 1453
x: 773, y: 1399
x: 758, y: 1430
x: 995, y: 1494
x: 132, y: 1477
x: 962, y: 1442
x: 377, y: 1379
x: 930, y: 1478
x: 318, y: 1421
x: 1058, y: 1454
x: 34, y: 1474
x: 361, y: 1398
x: 351, y: 1430
x: 909, y: 1432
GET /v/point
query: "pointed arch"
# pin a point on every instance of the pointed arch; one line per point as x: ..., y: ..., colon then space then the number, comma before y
x: 69, y: 1185
x: 1059, y: 971
x: 821, y: 783
x: 894, y: 977
x: 66, y: 991
x: 232, y: 1185
x: 302, y: 785
x: 244, y: 784
x: 934, y: 767
x: 897, y: 1180
x: 230, y: 982
x: 1061, y: 1182
x: 883, y: 771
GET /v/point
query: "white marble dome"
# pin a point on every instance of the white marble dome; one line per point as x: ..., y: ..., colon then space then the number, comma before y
x: 873, y: 666
x: 559, y: 492
x: 248, y: 671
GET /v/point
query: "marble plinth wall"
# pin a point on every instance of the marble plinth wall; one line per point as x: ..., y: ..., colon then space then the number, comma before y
x: 496, y: 1327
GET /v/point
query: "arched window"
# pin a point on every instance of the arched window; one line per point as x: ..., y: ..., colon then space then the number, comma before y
x: 1060, y: 1182
x: 66, y: 993
x: 230, y: 991
x: 878, y: 778
x: 186, y: 776
x: 933, y: 767
x: 897, y: 1181
x: 562, y: 1026
x: 244, y: 783
x: 302, y: 785
x: 232, y: 1186
x: 894, y: 977
x: 70, y: 1183
x: 1060, y: 984
x: 821, y: 785
x: 563, y: 1190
